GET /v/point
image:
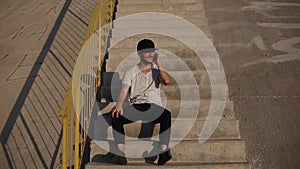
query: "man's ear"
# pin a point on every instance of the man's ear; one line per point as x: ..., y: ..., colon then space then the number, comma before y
x: 139, y: 53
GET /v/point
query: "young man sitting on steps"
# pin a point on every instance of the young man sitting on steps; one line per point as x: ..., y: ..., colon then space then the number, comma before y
x: 145, y: 80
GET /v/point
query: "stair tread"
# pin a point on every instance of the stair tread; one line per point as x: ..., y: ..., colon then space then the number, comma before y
x: 135, y: 141
x: 182, y: 77
x: 198, y: 22
x: 183, y: 14
x: 185, y: 53
x: 209, y: 165
x: 162, y: 35
x: 183, y: 92
x: 155, y: 2
x: 230, y: 150
x: 225, y: 129
x: 188, y: 7
x: 176, y: 106
x: 140, y: 163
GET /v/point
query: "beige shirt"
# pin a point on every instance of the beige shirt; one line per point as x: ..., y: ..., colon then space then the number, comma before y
x: 145, y: 86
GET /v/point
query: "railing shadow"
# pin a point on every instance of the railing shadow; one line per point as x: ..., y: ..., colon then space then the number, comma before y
x: 32, y: 135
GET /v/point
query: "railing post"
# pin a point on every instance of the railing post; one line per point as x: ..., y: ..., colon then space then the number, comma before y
x: 65, y: 142
x: 65, y: 112
x: 76, y: 153
x: 99, y: 48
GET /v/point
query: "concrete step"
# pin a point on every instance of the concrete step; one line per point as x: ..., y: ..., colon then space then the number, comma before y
x: 159, y: 24
x: 118, y: 62
x: 155, y: 1
x: 197, y: 77
x: 182, y: 151
x: 131, y: 42
x: 192, y: 92
x: 186, y: 109
x: 150, y: 35
x: 182, y: 92
x: 181, y: 77
x: 227, y: 129
x: 183, y: 165
x: 185, y: 53
x: 174, y: 64
x: 183, y: 14
x: 160, y: 42
x: 176, y: 67
x: 201, y: 22
x: 189, y: 33
x: 160, y: 7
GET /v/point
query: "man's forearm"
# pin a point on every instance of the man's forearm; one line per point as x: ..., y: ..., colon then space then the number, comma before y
x: 164, y: 77
x: 122, y: 95
x: 120, y: 100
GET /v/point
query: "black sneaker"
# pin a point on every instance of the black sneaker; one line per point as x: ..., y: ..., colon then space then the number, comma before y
x: 117, y: 159
x: 164, y: 157
x: 151, y: 159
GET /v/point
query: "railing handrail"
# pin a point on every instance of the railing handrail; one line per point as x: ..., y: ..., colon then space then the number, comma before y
x: 102, y: 10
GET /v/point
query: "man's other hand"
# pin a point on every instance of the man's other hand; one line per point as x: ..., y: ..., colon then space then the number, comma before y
x: 116, y: 112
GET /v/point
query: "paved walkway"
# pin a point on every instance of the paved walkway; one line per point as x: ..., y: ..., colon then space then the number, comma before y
x: 40, y: 41
x: 258, y: 42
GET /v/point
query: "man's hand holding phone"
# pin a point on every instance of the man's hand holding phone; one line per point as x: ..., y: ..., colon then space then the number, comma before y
x: 156, y: 59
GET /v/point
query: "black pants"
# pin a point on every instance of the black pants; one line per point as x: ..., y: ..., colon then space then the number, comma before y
x: 149, y: 114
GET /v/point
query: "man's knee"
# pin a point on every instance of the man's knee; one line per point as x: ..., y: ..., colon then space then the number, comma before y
x: 166, y: 114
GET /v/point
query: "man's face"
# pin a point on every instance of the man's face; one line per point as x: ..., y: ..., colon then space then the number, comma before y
x: 148, y: 57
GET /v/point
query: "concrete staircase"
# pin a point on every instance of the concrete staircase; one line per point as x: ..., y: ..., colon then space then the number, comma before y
x: 224, y: 149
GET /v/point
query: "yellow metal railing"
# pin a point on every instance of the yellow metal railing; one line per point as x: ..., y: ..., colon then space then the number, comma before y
x: 85, y: 82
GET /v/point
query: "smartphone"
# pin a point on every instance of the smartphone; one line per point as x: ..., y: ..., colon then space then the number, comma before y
x: 155, y: 57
